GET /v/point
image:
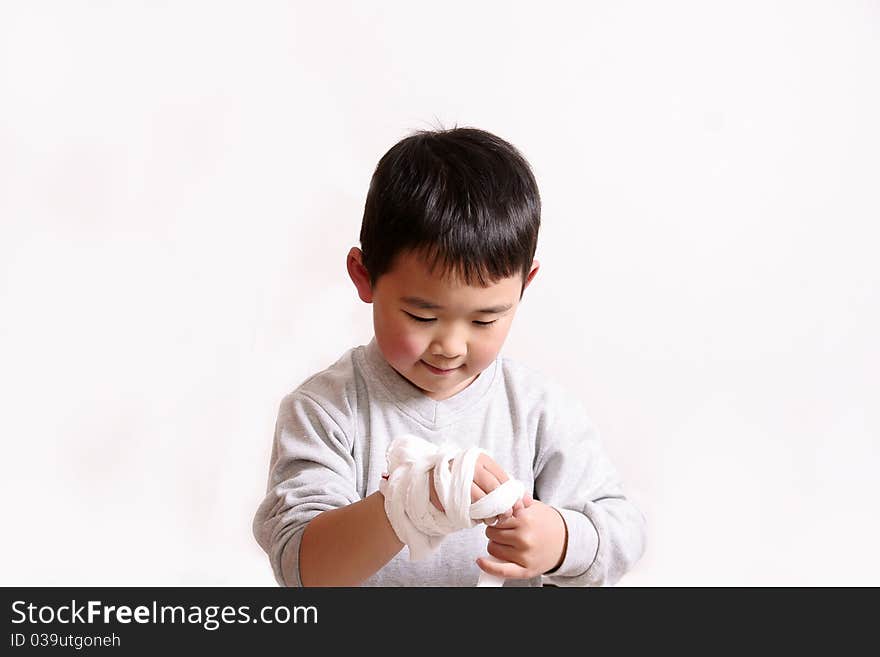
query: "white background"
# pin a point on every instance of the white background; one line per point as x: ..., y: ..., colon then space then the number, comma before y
x: 180, y: 184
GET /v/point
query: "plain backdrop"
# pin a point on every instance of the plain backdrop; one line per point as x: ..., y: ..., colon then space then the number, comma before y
x: 180, y: 184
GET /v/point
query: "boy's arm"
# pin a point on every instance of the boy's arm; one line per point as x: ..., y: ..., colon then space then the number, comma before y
x: 345, y: 546
x: 312, y: 509
x: 606, y: 532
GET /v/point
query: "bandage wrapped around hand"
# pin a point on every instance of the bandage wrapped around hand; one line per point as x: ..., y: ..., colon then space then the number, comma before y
x: 417, y: 522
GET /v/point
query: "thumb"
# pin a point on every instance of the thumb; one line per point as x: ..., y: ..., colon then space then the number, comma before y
x: 522, y: 505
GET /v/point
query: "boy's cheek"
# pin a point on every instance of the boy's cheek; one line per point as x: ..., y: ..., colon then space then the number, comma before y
x: 483, y: 356
x: 398, y: 347
x: 409, y: 350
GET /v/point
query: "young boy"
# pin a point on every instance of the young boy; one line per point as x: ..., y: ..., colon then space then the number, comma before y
x: 448, y: 240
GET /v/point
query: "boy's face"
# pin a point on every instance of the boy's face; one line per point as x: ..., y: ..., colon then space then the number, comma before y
x: 456, y: 337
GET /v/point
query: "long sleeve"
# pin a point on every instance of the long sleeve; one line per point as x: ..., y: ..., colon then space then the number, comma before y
x: 311, y: 470
x: 606, y: 532
x: 329, y: 451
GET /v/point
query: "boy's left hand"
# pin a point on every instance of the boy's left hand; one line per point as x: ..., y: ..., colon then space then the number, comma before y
x: 532, y: 541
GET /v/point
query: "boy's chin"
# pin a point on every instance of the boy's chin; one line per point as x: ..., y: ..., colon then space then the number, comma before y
x: 439, y: 391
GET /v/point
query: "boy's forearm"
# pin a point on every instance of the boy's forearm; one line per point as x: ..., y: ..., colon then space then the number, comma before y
x: 345, y: 546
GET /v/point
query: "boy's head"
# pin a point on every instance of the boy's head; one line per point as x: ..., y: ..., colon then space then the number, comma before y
x: 450, y: 230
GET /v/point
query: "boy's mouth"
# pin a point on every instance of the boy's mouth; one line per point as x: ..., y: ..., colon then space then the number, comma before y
x: 437, y: 370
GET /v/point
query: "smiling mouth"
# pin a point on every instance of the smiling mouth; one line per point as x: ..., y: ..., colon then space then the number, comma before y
x: 441, y: 369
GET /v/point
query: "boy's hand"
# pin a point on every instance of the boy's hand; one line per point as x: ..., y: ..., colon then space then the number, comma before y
x: 488, y: 476
x: 533, y: 540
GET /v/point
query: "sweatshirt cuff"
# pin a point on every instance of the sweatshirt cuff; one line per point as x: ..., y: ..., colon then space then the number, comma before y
x: 291, y: 545
x: 583, y: 544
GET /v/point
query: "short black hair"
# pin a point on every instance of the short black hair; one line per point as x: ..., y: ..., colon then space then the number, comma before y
x: 462, y: 197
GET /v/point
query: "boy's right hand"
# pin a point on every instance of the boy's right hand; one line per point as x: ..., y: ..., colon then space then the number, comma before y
x: 488, y: 476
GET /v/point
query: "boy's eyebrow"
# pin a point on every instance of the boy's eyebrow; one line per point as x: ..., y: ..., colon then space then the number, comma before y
x: 418, y: 302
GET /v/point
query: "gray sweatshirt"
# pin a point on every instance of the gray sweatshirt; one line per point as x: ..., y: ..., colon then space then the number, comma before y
x: 329, y: 452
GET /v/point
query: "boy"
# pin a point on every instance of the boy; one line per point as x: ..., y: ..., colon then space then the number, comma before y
x: 448, y: 240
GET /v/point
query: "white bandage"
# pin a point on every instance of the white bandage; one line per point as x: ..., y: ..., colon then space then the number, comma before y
x: 417, y: 522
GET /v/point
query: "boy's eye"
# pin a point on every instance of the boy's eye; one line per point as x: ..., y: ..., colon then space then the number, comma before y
x: 421, y: 319
x: 431, y: 319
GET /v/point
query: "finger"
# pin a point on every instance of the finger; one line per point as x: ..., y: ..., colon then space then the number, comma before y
x: 510, y: 513
x: 505, y: 553
x: 505, y: 569
x: 490, y: 465
x: 507, y: 515
x: 501, y: 537
x: 492, y: 522
x: 504, y: 515
x: 485, y: 480
x: 525, y: 503
x: 509, y: 523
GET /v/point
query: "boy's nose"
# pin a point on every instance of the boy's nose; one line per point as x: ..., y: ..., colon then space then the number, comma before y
x: 446, y: 358
x: 448, y: 350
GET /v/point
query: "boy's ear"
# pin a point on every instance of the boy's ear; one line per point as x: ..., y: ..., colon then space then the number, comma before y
x: 535, y: 266
x: 359, y: 275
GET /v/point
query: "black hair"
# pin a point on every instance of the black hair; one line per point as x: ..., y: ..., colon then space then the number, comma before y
x: 461, y: 197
